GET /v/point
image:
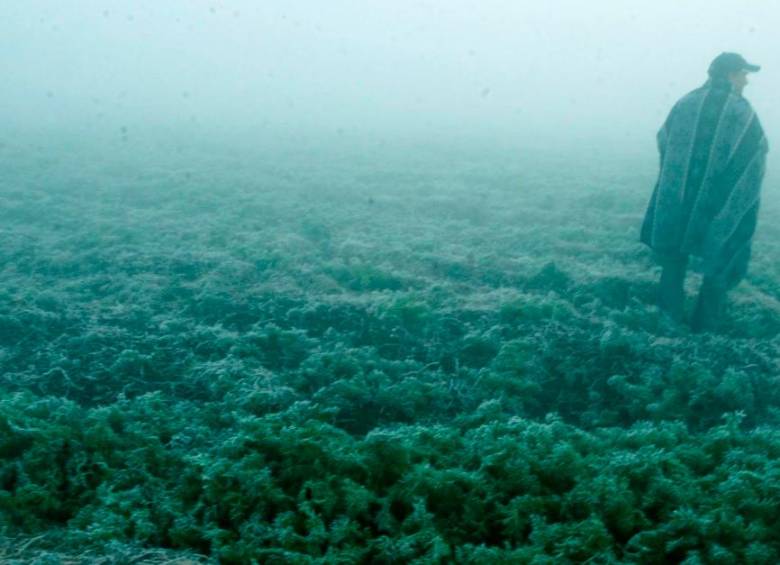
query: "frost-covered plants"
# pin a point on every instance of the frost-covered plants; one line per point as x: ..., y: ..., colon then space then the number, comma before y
x: 344, y: 364
x: 293, y: 486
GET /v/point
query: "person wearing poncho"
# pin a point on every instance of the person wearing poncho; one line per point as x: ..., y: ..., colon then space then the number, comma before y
x: 705, y: 202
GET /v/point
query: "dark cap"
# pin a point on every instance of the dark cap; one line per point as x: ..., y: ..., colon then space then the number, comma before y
x: 726, y: 63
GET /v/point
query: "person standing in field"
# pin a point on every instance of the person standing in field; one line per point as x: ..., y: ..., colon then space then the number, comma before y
x: 705, y: 202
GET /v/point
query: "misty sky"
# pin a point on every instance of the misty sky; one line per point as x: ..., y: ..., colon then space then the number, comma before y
x: 532, y: 69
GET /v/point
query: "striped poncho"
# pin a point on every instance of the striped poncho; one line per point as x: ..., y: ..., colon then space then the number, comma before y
x: 705, y: 203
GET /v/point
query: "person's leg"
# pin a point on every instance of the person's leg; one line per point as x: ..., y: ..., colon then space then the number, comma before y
x: 671, y: 294
x: 709, y: 306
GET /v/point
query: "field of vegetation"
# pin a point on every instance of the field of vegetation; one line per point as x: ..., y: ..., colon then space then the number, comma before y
x: 377, y: 354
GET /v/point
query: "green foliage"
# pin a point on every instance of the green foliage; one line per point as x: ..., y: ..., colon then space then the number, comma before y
x: 419, y: 377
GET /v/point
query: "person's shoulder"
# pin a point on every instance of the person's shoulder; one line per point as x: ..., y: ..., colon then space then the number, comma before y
x: 736, y: 104
x: 692, y: 98
x: 685, y: 109
x: 741, y: 114
x: 740, y: 105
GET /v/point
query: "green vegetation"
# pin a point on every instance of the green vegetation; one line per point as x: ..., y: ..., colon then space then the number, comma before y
x: 284, y: 358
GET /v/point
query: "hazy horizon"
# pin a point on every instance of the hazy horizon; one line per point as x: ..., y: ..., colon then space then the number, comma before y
x: 558, y: 73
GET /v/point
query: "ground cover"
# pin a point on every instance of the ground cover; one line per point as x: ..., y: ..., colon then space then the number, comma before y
x: 382, y: 355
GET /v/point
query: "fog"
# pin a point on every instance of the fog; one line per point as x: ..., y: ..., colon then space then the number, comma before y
x: 558, y: 72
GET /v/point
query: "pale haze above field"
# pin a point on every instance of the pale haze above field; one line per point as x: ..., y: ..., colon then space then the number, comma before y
x: 556, y: 70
